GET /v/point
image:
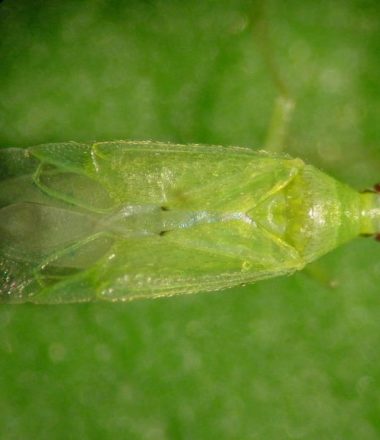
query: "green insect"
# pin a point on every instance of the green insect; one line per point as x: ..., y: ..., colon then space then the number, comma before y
x: 117, y: 221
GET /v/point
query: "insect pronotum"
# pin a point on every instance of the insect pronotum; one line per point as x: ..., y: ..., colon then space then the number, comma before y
x: 124, y: 220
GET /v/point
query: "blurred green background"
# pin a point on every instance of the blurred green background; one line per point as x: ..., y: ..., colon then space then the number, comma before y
x: 283, y: 359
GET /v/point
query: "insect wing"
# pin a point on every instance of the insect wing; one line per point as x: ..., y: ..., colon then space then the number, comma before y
x: 227, y: 249
x: 209, y: 257
x: 191, y: 177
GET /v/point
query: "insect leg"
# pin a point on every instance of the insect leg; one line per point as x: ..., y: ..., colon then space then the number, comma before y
x: 317, y: 273
x: 284, y: 103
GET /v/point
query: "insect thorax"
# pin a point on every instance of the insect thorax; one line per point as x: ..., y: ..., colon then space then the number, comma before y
x: 322, y: 213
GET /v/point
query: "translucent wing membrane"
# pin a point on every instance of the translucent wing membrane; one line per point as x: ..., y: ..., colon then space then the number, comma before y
x: 189, y: 176
x: 187, y: 261
x: 69, y: 156
x: 121, y: 220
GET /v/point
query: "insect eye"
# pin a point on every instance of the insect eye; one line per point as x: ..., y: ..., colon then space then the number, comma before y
x: 376, y: 187
x: 377, y: 237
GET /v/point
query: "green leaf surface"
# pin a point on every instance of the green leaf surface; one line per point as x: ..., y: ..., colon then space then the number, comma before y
x: 283, y: 359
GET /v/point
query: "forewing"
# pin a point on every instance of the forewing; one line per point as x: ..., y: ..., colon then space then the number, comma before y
x: 187, y: 177
x: 190, y: 177
x: 206, y: 258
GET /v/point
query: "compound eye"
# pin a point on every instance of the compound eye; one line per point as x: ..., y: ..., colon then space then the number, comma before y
x: 377, y: 237
x: 377, y: 187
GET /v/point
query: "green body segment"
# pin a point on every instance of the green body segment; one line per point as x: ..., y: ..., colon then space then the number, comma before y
x: 125, y: 220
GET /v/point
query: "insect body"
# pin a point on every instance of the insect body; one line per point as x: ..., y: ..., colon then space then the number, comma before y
x: 124, y: 220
